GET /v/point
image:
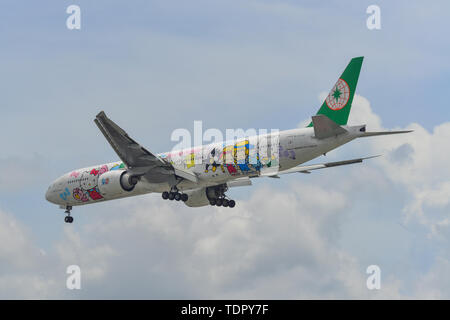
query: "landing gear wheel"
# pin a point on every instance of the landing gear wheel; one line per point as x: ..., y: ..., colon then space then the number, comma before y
x: 219, y: 202
x: 225, y: 203
x: 184, y: 197
x: 171, y: 195
x: 68, y: 219
x: 231, y: 203
x: 165, y: 195
x: 178, y: 196
x: 212, y: 202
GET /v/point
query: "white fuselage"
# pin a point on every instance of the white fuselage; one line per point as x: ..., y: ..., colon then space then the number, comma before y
x: 255, y: 156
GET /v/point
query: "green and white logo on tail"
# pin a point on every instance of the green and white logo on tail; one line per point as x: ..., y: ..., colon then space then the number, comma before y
x: 338, y: 103
x: 338, y: 96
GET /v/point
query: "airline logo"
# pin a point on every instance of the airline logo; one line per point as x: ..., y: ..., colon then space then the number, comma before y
x: 338, y: 96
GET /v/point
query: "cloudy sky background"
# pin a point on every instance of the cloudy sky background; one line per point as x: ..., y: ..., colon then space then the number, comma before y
x: 155, y: 66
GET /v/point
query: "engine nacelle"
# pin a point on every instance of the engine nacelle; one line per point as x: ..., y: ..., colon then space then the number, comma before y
x: 116, y: 182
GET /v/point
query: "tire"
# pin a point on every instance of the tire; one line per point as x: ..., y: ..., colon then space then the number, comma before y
x: 184, y: 197
x: 225, y: 203
x: 177, y: 196
x: 70, y: 219
x: 165, y: 195
x: 171, y: 196
x: 66, y: 219
x: 231, y: 203
x: 212, y: 202
x: 219, y: 202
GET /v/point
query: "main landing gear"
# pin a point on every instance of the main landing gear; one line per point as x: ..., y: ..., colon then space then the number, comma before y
x: 222, y: 202
x: 175, y: 195
x: 68, y: 218
x: 217, y: 197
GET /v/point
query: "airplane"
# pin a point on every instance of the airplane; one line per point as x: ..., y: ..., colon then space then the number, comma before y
x: 201, y: 176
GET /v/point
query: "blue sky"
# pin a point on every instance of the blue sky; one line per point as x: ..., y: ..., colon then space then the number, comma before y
x: 155, y: 66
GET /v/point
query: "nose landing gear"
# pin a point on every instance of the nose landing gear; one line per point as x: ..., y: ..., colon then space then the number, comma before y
x: 68, y: 218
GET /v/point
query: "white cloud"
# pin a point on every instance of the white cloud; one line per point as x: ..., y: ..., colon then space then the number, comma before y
x: 418, y: 161
x: 275, y: 244
x: 435, y: 283
x: 223, y: 253
x: 91, y: 258
x: 361, y: 113
x: 16, y: 247
x: 25, y: 272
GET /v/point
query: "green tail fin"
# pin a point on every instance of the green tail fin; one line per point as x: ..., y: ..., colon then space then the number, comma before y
x: 338, y: 103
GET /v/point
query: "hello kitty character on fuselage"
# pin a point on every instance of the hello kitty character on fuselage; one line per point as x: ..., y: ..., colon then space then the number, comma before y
x: 89, y: 182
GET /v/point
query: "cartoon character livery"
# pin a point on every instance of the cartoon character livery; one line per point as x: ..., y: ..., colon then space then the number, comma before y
x: 201, y: 176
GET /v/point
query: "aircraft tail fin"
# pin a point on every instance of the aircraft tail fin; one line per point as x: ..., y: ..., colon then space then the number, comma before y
x: 338, y: 103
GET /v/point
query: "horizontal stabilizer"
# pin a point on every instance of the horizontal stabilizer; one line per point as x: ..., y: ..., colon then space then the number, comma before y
x: 382, y: 133
x: 308, y: 168
x: 324, y: 127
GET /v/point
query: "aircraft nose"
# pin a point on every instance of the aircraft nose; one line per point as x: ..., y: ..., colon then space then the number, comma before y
x: 49, y: 195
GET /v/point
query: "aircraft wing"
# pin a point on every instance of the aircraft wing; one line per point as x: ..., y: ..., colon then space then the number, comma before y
x: 138, y: 160
x: 308, y: 168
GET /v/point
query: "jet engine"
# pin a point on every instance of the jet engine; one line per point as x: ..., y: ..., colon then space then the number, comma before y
x: 116, y: 182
